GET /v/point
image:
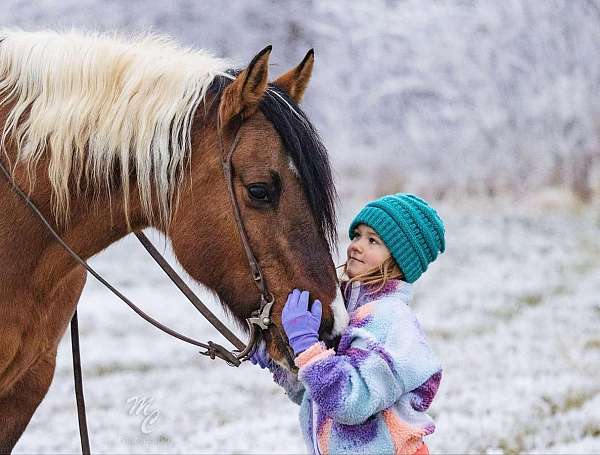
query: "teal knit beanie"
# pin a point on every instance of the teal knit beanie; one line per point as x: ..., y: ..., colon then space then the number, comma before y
x: 409, y: 227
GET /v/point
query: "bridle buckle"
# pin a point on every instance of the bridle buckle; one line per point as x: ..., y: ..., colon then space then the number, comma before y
x: 262, y: 316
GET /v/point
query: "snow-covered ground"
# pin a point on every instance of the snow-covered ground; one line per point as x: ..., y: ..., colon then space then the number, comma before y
x: 512, y: 308
x: 424, y: 96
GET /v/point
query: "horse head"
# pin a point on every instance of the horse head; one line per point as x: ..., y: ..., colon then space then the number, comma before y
x: 130, y: 134
x: 283, y: 186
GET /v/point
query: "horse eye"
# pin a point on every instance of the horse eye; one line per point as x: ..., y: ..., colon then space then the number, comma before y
x: 259, y: 192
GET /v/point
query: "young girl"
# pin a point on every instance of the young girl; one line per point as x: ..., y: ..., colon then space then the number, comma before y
x: 371, y: 393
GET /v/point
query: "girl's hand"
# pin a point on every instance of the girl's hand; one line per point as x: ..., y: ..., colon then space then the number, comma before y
x: 301, y: 325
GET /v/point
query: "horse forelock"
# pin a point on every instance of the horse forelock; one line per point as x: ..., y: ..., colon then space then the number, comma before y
x: 308, y: 155
x: 308, y: 158
x: 96, y: 101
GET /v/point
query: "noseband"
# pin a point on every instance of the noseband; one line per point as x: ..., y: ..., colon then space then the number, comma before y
x: 259, y: 320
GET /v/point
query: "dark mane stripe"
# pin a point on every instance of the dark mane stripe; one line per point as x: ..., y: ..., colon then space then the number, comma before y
x: 306, y: 150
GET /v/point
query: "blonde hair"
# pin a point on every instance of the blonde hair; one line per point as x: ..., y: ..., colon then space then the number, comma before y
x: 96, y: 102
x: 387, y: 270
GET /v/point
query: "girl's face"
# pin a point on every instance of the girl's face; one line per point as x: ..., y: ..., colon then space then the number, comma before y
x: 365, y: 252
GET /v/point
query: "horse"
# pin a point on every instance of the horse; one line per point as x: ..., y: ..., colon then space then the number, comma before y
x: 111, y: 134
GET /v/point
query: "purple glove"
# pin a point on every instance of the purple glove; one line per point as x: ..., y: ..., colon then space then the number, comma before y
x: 260, y: 356
x: 301, y: 326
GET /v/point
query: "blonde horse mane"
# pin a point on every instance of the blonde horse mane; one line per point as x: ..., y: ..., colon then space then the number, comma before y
x: 93, y: 100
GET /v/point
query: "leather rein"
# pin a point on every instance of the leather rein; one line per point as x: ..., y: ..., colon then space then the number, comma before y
x: 259, y: 321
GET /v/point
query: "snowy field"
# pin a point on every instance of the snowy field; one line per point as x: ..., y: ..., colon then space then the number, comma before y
x: 512, y: 308
x: 438, y: 98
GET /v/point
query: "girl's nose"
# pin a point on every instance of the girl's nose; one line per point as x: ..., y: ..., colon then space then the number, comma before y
x: 356, y: 246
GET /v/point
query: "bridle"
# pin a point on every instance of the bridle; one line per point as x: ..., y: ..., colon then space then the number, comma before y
x: 259, y: 320
x: 262, y: 319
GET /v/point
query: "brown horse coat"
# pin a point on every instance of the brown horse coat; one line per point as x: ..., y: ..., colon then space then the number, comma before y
x: 124, y: 135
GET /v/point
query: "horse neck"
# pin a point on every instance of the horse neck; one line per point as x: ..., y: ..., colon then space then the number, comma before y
x: 95, y: 221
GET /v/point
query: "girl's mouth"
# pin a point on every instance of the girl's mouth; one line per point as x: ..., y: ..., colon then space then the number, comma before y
x: 352, y: 258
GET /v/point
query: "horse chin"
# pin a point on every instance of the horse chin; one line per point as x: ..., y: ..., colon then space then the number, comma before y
x: 285, y: 363
x: 290, y: 360
x: 286, y: 360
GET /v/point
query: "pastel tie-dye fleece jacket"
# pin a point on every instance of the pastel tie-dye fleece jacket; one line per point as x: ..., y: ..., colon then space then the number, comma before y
x: 370, y: 395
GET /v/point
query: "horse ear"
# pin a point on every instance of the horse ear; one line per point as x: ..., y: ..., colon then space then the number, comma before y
x: 295, y: 81
x: 243, y: 95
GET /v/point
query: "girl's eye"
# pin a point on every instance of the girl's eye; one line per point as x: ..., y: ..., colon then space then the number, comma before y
x: 372, y: 240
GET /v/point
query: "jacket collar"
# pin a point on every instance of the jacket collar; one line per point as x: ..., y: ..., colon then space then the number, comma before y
x: 357, y: 294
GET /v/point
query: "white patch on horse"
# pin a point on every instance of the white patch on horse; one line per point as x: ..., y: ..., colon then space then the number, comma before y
x: 340, y: 314
x: 293, y: 168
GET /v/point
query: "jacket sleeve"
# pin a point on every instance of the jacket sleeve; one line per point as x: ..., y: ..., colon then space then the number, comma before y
x: 294, y: 388
x: 377, y: 363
